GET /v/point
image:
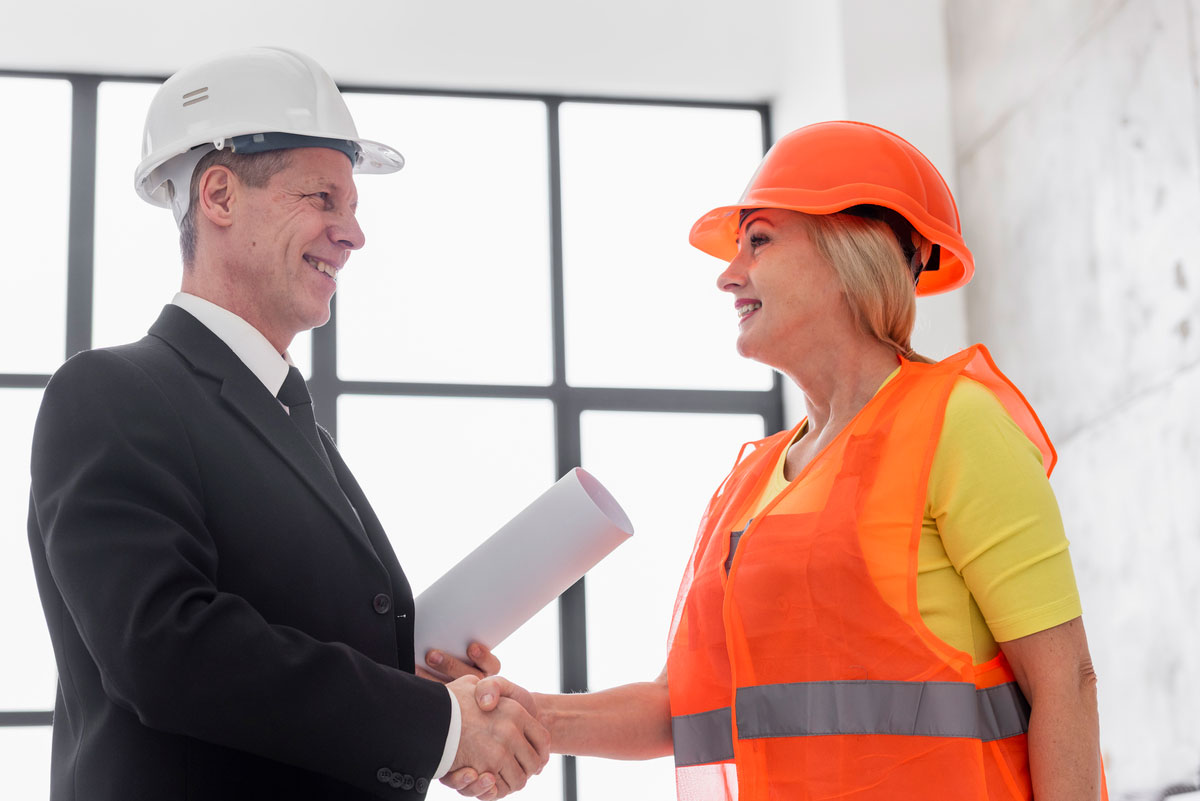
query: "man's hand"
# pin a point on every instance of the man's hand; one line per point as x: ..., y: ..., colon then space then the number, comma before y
x: 445, y: 668
x: 488, y: 692
x: 502, y: 742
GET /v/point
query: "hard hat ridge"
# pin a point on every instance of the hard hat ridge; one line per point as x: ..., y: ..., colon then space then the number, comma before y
x: 250, y: 100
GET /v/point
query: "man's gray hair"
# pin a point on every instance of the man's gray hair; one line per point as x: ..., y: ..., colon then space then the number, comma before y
x: 254, y: 170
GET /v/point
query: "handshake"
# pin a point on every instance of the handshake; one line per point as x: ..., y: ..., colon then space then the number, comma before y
x: 502, y: 742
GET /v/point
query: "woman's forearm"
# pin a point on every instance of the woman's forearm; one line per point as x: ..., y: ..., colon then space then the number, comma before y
x: 628, y: 722
x: 1064, y: 743
x: 1055, y: 672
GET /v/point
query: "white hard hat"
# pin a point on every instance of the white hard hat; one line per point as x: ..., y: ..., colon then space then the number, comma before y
x: 264, y: 98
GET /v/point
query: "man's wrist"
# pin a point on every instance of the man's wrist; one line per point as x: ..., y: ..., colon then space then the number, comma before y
x: 453, y: 735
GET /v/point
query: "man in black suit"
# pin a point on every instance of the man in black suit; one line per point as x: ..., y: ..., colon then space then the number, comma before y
x: 228, y: 617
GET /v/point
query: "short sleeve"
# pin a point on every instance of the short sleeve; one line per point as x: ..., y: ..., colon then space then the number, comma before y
x: 998, y: 518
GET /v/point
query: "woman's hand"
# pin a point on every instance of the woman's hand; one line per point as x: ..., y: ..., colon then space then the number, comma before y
x: 467, y: 781
x: 632, y: 721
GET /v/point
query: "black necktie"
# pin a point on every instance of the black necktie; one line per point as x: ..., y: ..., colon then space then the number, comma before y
x: 294, y: 395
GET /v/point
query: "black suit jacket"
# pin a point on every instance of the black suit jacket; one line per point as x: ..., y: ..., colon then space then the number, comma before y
x: 228, y: 622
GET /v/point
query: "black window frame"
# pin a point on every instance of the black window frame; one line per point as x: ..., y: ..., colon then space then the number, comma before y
x: 569, y: 402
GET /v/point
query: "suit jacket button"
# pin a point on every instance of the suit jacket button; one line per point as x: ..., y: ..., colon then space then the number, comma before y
x: 396, y: 781
x: 382, y: 604
x: 384, y: 775
x: 406, y: 781
x: 422, y: 785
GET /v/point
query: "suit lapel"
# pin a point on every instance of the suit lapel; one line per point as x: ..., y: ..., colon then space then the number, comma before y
x: 358, y: 499
x: 249, y: 400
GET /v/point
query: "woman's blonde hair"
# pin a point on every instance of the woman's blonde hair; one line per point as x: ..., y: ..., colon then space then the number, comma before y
x: 876, y: 276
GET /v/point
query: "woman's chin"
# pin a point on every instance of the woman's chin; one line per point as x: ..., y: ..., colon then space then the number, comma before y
x: 753, y: 351
x: 749, y: 346
x: 750, y: 351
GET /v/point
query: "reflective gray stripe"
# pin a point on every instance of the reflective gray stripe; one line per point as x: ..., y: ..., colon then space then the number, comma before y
x: 924, y: 709
x: 1003, y: 711
x: 703, y: 737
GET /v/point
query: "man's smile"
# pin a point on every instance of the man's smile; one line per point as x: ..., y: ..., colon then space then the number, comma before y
x: 323, y: 266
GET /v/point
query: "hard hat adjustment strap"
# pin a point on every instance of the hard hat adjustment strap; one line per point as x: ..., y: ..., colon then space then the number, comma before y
x: 903, y: 231
x: 933, y: 265
x: 263, y: 142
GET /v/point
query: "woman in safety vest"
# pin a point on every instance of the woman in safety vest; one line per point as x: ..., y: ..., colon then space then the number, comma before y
x: 880, y: 604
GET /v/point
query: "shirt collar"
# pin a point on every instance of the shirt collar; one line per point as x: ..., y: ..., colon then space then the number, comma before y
x: 246, y: 341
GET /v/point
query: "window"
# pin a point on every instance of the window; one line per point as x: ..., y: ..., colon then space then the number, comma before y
x: 34, y: 328
x: 527, y: 302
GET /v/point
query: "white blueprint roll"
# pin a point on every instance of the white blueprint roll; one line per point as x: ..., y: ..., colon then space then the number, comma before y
x: 525, y: 565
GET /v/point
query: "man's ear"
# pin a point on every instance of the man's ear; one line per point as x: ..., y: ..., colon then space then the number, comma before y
x: 217, y: 195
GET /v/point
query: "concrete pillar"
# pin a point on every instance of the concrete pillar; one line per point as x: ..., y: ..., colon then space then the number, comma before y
x: 883, y: 63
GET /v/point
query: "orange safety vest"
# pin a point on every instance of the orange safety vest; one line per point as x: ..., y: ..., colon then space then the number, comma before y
x: 842, y: 692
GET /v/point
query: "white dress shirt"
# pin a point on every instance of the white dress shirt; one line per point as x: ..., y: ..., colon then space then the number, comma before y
x: 271, y: 368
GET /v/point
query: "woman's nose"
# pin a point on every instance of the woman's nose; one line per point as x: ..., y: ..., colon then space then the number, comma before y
x: 733, y: 276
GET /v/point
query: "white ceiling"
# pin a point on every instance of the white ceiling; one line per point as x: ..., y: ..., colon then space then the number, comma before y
x: 710, y: 49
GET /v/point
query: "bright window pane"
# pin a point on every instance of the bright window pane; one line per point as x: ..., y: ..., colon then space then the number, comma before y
x: 443, y: 474
x: 453, y: 284
x: 137, y: 245
x: 642, y: 308
x: 662, y: 468
x: 35, y: 159
x: 25, y: 762
x: 27, y: 673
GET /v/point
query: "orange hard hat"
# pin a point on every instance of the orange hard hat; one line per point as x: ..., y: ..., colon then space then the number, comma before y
x: 829, y: 167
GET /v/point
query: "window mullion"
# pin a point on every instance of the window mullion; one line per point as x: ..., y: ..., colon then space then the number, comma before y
x: 82, y: 215
x: 324, y: 384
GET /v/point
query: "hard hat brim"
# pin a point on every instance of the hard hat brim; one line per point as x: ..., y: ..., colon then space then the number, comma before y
x: 378, y: 158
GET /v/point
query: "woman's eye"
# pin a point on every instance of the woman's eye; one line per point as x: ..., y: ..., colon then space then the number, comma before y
x: 758, y: 239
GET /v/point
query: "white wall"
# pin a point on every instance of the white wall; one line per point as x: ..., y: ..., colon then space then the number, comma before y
x: 1078, y: 148
x: 676, y: 48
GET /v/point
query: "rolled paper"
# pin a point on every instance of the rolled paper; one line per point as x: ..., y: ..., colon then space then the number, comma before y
x: 525, y: 565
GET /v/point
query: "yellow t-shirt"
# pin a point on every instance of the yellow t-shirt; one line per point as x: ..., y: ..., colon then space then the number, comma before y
x: 992, y: 564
